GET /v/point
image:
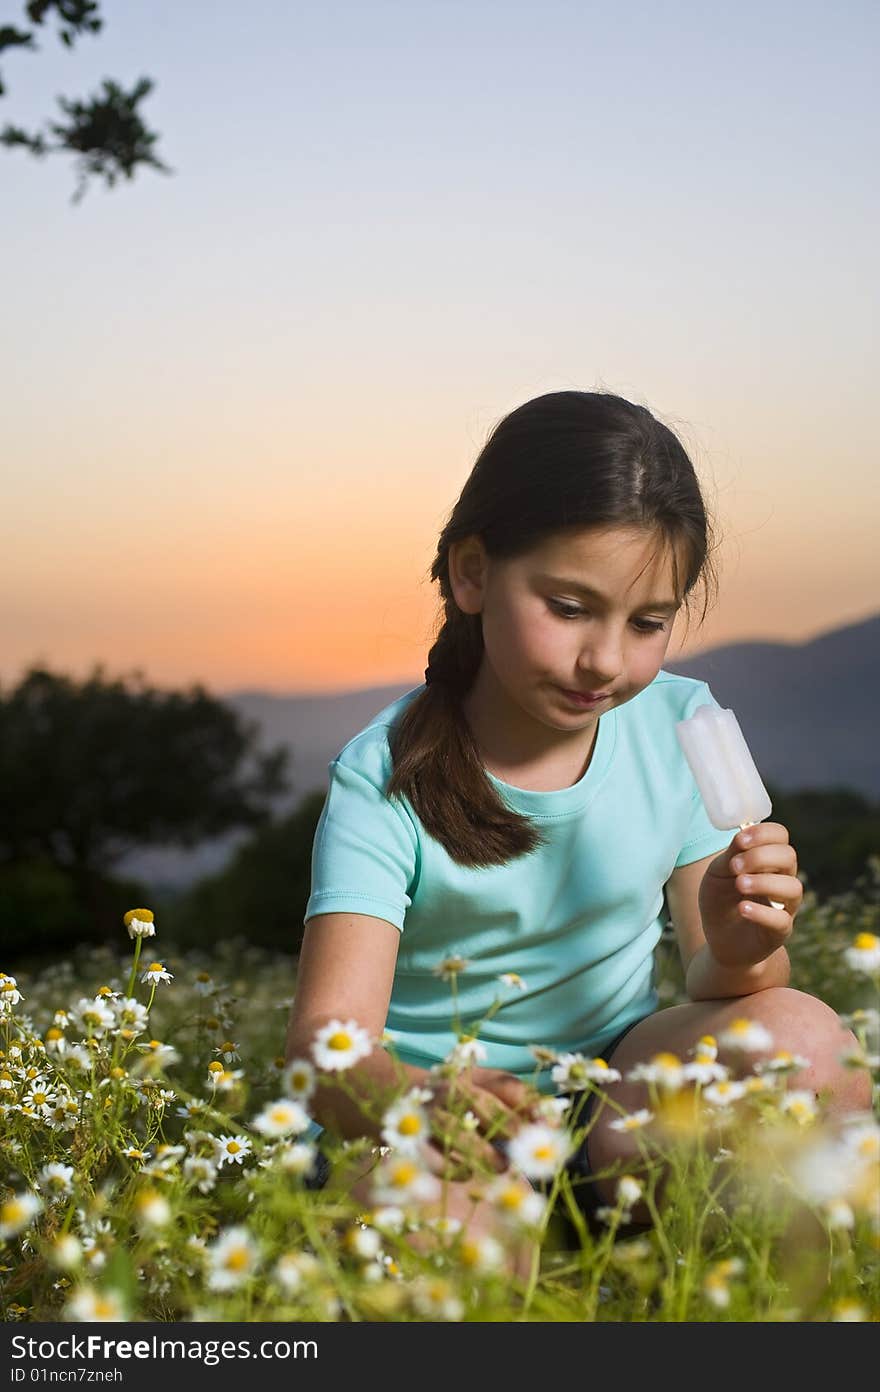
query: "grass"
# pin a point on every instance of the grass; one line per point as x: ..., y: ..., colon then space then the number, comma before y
x: 153, y: 1166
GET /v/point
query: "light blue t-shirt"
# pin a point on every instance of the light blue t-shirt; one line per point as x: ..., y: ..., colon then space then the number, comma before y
x: 578, y: 918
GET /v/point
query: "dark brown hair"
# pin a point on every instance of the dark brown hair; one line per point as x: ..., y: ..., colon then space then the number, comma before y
x: 565, y: 461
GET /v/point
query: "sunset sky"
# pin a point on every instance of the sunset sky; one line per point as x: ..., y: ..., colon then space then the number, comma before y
x: 240, y: 401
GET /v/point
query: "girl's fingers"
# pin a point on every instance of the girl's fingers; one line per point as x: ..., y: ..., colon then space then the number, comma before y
x: 777, y: 888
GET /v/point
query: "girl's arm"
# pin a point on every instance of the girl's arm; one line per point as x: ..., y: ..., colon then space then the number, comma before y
x: 346, y: 972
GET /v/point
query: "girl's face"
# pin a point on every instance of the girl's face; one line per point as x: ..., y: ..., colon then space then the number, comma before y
x: 573, y: 615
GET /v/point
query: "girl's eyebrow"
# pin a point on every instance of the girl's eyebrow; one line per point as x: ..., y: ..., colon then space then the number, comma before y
x: 667, y: 606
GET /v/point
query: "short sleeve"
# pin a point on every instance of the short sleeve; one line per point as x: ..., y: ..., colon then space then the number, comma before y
x: 365, y: 852
x: 701, y: 838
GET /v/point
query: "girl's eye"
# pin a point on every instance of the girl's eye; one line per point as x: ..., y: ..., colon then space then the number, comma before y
x: 568, y: 611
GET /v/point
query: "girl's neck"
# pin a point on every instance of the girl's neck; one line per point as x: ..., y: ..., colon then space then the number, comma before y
x: 518, y: 748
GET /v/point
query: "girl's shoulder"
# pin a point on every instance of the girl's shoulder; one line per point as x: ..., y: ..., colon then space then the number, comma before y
x: 678, y: 693
x: 368, y: 752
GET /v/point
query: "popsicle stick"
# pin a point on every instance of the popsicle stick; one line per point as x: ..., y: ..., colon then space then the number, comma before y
x: 774, y: 903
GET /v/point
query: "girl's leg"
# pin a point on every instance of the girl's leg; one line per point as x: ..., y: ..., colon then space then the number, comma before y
x: 798, y: 1022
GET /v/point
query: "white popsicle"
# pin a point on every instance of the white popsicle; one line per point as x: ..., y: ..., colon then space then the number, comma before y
x: 724, y: 770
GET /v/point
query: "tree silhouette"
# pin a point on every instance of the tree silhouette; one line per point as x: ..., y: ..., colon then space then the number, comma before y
x: 90, y: 771
x: 106, y: 132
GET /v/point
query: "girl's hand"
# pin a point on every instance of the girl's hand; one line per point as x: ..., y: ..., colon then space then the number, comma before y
x: 498, y: 1103
x: 741, y: 927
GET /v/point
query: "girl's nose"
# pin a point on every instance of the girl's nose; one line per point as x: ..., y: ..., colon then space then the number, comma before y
x: 601, y: 665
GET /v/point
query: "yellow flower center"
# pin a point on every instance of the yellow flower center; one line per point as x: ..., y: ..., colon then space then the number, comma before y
x: 403, y: 1175
x: 155, y: 967
x: 104, y: 1309
x: 233, y: 1147
x: 53, y: 1034
x: 598, y: 1063
x: 341, y: 1041
x: 280, y: 1114
x: 215, y: 1067
x: 543, y: 1152
x: 237, y: 1259
x: 12, y: 1211
x: 409, y: 1125
x: 866, y: 942
x: 39, y: 1099
x: 511, y: 1199
x: 667, y: 1061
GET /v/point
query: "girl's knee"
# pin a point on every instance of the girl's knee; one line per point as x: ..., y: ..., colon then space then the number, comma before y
x: 808, y: 1027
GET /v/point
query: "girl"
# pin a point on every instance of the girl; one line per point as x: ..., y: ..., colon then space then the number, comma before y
x: 512, y: 827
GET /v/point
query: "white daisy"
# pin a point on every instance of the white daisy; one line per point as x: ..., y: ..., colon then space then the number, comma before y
x: 629, y: 1190
x: 848, y: 1312
x: 362, y: 1242
x: 66, y: 1252
x: 745, y: 1035
x: 573, y: 1072
x: 664, y: 1069
x: 512, y: 979
x: 231, y: 1150
x: 152, y: 1208
x: 56, y: 1179
x: 339, y: 1045
x: 632, y: 1121
x: 232, y: 1259
x: 92, y: 1017
x: 9, y: 993
x: 481, y: 1253
x: 405, y: 1124
x: 163, y: 1055
x: 838, y: 1214
x: 89, y: 1305
x: 449, y: 967
x: 18, y: 1212
x: 139, y: 923
x: 465, y: 1052
x: 401, y: 1180
x: 388, y: 1219
x: 280, y: 1118
x: 517, y: 1203
x: 436, y: 1299
x: 200, y: 1171
x: 292, y: 1269
x: 800, y: 1104
x: 704, y: 1070
x: 299, y: 1080
x: 155, y: 973
x: 296, y: 1159
x: 864, y: 955
x: 131, y: 1014
x: 782, y: 1062
x: 716, y: 1282
x: 554, y: 1109
x: 723, y: 1093
x: 705, y: 1048
x: 538, y: 1150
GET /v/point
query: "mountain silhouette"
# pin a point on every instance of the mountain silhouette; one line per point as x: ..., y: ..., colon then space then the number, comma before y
x: 808, y: 712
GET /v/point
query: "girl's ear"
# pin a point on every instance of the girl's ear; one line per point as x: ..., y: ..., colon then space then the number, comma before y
x: 468, y: 569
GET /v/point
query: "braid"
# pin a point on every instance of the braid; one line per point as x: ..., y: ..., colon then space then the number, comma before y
x: 455, y: 657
